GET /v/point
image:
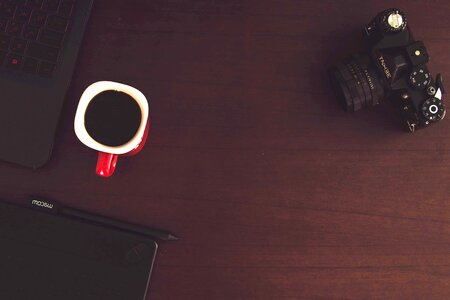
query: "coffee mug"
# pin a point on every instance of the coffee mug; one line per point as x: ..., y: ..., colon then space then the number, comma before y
x: 113, y: 119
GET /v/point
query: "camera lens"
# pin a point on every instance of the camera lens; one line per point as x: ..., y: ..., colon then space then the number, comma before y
x: 357, y: 83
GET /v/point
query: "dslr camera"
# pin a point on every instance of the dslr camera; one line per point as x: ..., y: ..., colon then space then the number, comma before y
x: 393, y: 68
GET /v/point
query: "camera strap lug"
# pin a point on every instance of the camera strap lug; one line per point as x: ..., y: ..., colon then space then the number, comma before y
x: 411, y: 126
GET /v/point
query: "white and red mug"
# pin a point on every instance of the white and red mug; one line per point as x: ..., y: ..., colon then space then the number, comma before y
x: 102, y: 99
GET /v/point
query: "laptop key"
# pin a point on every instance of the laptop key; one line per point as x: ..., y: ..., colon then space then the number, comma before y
x: 23, y: 13
x: 57, y: 23
x: 14, y: 28
x: 13, y: 61
x: 18, y: 45
x: 43, y: 52
x: 51, y: 38
x: 30, y: 65
x: 46, y: 69
x: 38, y: 18
x: 3, y: 23
x: 65, y: 8
x: 51, y: 5
x: 7, y: 9
x: 30, y: 32
x: 35, y: 3
x: 2, y: 56
x: 4, y: 42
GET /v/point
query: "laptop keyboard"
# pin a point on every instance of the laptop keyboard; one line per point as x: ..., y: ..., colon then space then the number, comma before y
x: 32, y: 34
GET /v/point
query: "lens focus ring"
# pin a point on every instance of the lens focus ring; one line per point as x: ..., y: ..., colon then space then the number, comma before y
x: 357, y: 83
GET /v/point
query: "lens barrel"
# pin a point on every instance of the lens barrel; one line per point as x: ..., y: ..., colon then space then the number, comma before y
x: 357, y: 83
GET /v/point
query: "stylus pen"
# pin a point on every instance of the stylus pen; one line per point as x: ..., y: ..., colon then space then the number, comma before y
x: 153, y: 233
x: 55, y: 208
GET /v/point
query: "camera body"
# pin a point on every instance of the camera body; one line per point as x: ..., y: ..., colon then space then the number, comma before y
x: 394, y: 67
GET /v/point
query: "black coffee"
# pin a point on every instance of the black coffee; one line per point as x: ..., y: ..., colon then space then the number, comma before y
x: 112, y: 118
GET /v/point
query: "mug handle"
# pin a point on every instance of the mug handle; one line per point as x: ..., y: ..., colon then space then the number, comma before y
x: 106, y: 164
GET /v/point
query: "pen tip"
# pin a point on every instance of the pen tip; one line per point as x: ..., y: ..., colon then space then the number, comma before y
x: 172, y: 237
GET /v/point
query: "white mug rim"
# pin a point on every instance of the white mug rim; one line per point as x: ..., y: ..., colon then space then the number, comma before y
x: 89, y: 94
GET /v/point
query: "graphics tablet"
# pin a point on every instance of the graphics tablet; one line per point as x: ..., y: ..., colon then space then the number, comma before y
x: 51, y: 257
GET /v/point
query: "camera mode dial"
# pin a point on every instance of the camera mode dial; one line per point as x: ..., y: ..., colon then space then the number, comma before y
x: 433, y: 110
x: 393, y: 20
x: 420, y: 78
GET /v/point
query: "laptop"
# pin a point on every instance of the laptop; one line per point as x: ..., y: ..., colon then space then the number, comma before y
x: 39, y: 43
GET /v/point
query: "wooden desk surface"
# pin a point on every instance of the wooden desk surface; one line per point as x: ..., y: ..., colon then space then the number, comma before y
x: 276, y: 192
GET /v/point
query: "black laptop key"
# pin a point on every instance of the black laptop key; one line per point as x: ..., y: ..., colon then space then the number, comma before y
x: 2, y: 56
x: 35, y: 3
x: 14, y: 28
x: 65, y: 8
x: 51, y: 5
x: 18, y: 2
x: 41, y: 51
x: 51, y: 37
x: 38, y: 18
x: 13, y: 61
x: 46, y: 69
x: 4, y: 42
x: 7, y: 9
x: 30, y: 32
x: 23, y: 13
x: 57, y: 23
x: 30, y: 65
x: 4, y: 4
x: 3, y: 23
x: 18, y: 45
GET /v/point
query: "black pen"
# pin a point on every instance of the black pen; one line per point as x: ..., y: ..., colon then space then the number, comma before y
x: 78, y: 214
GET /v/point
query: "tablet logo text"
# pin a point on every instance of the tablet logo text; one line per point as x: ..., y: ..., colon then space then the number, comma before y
x: 42, y: 204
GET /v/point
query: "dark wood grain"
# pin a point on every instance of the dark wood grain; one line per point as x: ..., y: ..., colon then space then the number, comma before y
x: 276, y: 192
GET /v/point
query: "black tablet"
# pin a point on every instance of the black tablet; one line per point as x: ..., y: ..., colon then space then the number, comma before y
x: 51, y: 257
